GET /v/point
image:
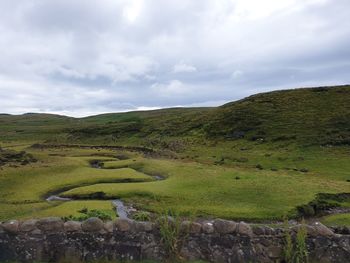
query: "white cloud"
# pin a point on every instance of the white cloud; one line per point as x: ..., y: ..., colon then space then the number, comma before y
x: 183, y: 67
x: 133, y: 10
x: 237, y: 74
x: 113, y: 55
x: 173, y: 88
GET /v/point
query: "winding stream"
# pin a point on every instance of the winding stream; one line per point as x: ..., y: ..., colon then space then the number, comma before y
x: 122, y: 211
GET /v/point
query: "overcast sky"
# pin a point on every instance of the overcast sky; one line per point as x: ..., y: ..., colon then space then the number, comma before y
x: 83, y: 57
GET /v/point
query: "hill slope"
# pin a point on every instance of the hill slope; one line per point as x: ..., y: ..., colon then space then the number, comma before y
x: 312, y: 116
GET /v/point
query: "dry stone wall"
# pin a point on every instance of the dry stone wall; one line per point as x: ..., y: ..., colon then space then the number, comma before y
x: 52, y: 240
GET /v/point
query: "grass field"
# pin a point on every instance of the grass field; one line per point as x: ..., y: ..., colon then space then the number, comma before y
x: 257, y: 159
x: 199, y: 186
x: 337, y: 220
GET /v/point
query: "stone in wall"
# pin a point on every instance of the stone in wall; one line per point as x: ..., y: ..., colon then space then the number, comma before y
x: 52, y: 240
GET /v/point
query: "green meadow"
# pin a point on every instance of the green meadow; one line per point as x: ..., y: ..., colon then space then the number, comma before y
x: 258, y: 159
x: 200, y: 188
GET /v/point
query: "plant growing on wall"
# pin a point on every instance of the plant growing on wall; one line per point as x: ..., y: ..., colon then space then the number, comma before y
x: 295, y: 252
x: 170, y: 231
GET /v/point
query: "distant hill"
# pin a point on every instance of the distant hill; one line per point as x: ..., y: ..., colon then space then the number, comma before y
x: 308, y: 116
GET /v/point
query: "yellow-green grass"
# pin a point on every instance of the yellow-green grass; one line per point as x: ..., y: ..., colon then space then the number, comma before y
x: 230, y: 190
x: 23, y: 189
x: 64, y: 209
x: 326, y: 162
x: 21, y: 210
x: 337, y: 220
x: 31, y: 183
x: 215, y: 191
x: 120, y: 164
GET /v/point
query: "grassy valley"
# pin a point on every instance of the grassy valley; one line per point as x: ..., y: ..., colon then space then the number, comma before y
x: 258, y: 159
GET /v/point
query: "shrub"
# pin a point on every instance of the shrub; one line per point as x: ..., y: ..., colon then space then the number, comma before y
x: 306, y: 210
x: 142, y: 216
x: 259, y: 166
x: 86, y: 213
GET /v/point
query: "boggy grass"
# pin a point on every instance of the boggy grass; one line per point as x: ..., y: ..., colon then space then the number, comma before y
x: 213, y: 190
x: 210, y: 189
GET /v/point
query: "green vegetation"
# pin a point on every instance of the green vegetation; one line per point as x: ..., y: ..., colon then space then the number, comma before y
x: 257, y: 159
x: 337, y: 220
x: 13, y: 158
x: 142, y: 216
x: 295, y: 249
x: 85, y: 213
x: 318, y: 116
x: 301, y: 253
x: 170, y: 231
x: 288, y: 243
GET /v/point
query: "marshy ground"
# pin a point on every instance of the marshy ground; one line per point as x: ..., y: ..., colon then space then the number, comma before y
x: 282, y: 153
x: 256, y: 183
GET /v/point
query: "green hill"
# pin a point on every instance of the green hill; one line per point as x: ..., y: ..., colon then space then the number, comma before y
x: 316, y: 116
x: 312, y: 116
x: 259, y: 158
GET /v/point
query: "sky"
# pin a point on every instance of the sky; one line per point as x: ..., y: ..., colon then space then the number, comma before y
x: 85, y: 57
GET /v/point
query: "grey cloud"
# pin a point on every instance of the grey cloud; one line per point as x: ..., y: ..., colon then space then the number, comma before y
x: 89, y: 56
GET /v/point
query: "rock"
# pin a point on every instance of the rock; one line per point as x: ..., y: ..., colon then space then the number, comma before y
x: 322, y: 230
x: 28, y: 225
x: 258, y: 230
x: 274, y: 252
x: 208, y: 227
x: 92, y: 224
x: 244, y: 229
x: 279, y: 231
x: 266, y: 242
x: 50, y: 224
x: 224, y: 226
x: 311, y: 231
x: 11, y: 226
x: 72, y: 226
x: 36, y: 232
x: 144, y: 226
x: 269, y: 231
x: 169, y: 219
x: 345, y: 230
x: 124, y: 225
x: 109, y: 227
x: 191, y: 227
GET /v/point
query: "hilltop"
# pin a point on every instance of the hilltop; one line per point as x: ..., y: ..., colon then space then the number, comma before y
x: 312, y: 116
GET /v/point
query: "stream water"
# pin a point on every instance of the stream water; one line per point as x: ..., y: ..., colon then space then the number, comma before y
x: 57, y: 198
x: 121, y: 209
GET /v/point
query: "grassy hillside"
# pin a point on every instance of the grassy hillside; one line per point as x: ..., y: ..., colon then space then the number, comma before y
x: 258, y: 159
x: 312, y: 116
x: 316, y: 116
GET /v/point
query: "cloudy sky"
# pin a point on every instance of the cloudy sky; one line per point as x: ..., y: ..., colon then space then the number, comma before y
x: 83, y: 57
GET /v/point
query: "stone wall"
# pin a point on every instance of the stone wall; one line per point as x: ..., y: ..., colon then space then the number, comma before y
x: 52, y: 240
